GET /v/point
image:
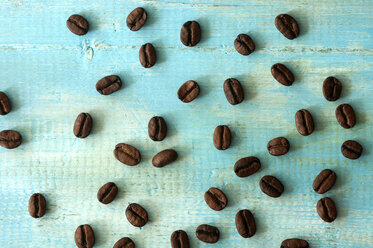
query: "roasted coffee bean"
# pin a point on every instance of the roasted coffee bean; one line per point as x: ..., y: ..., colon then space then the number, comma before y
x: 304, y: 122
x: 351, y: 149
x: 208, y: 234
x: 10, y: 139
x: 216, y: 199
x: 345, y: 115
x: 246, y: 166
x: 179, y: 239
x: 136, y: 19
x: 5, y: 106
x: 282, y: 74
x: 108, y: 85
x: 37, y: 205
x: 271, y: 186
x: 124, y: 243
x: 278, y: 146
x: 233, y: 91
x: 164, y: 158
x: 83, y: 125
x: 190, y: 33
x: 326, y: 209
x: 147, y: 55
x: 244, y: 44
x: 324, y: 181
x: 331, y: 88
x: 222, y: 137
x: 136, y: 215
x: 77, y: 24
x: 287, y: 25
x: 107, y: 193
x: 127, y: 154
x: 245, y: 223
x: 84, y: 236
x: 157, y: 128
x: 294, y: 243
x: 188, y: 91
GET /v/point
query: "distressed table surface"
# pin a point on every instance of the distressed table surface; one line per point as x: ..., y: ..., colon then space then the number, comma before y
x: 50, y: 76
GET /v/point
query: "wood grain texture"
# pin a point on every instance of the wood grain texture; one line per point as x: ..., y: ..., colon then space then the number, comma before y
x: 50, y: 74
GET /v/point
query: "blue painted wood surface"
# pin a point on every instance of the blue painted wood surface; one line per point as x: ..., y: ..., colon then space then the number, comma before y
x: 50, y: 75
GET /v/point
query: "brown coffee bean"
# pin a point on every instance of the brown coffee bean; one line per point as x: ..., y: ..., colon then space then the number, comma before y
x: 233, y: 91
x: 324, y: 181
x: 282, y: 74
x: 108, y: 85
x: 83, y: 125
x: 216, y: 199
x: 294, y: 243
x: 84, y: 236
x: 136, y: 19
x: 246, y: 166
x: 136, y: 215
x: 188, y: 91
x: 157, y: 128
x: 179, y: 239
x: 107, y: 193
x: 278, y: 146
x: 271, y: 186
x: 245, y: 223
x: 345, y: 115
x: 222, y: 137
x: 5, y: 105
x: 190, y: 33
x: 124, y: 243
x: 287, y: 25
x: 127, y: 154
x: 207, y: 233
x: 332, y: 88
x: 304, y: 122
x: 351, y: 149
x: 147, y: 55
x: 77, y: 24
x: 244, y: 44
x: 326, y: 209
x: 10, y: 139
x: 37, y: 205
x: 164, y: 158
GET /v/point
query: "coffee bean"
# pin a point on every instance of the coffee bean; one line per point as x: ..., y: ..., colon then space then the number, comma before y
x: 136, y: 215
x: 107, y: 193
x: 282, y: 74
x: 222, y: 137
x: 136, y: 19
x: 345, y: 115
x: 127, y: 154
x: 278, y: 146
x: 207, y: 233
x: 244, y: 44
x: 157, y: 128
x: 216, y: 199
x: 246, y: 166
x: 233, y: 91
x: 179, y: 239
x: 124, y: 243
x: 304, y: 122
x: 245, y: 223
x: 164, y: 158
x: 37, y: 205
x: 83, y: 125
x: 351, y: 149
x: 190, y: 33
x: 271, y: 186
x: 84, y: 236
x: 77, y: 24
x: 147, y: 55
x: 294, y: 243
x: 5, y: 106
x: 324, y: 181
x: 287, y: 25
x: 108, y: 85
x: 326, y: 209
x: 331, y: 88
x: 188, y: 91
x: 10, y: 139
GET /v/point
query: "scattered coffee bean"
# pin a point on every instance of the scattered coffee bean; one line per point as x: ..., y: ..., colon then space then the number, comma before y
x: 287, y: 25
x: 294, y: 243
x: 179, y: 239
x: 233, y: 91
x: 83, y: 125
x: 351, y: 149
x: 282, y: 74
x: 108, y: 85
x: 77, y: 24
x: 245, y: 223
x: 84, y: 236
x: 136, y: 19
x: 107, y: 193
x: 216, y: 199
x: 124, y: 243
x: 147, y: 55
x: 271, y: 186
x: 324, y: 181
x: 190, y: 33
x: 244, y: 44
x: 208, y: 234
x: 345, y: 115
x: 304, y: 122
x: 157, y: 128
x: 188, y: 91
x: 5, y: 106
x: 10, y: 139
x: 127, y: 154
x: 164, y: 158
x: 246, y: 166
x: 278, y: 146
x: 326, y: 209
x: 222, y: 137
x: 37, y: 205
x: 332, y: 88
x: 136, y: 215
